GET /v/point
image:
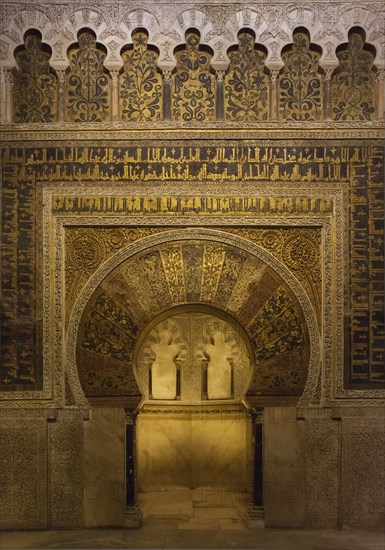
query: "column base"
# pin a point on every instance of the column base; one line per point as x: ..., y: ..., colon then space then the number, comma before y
x: 133, y: 517
x: 254, y: 517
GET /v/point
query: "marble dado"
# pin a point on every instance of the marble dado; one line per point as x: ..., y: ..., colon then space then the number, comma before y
x: 317, y: 469
x: 104, y: 468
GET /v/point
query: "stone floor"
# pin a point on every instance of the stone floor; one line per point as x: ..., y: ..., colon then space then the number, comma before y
x: 196, y: 519
x: 201, y: 508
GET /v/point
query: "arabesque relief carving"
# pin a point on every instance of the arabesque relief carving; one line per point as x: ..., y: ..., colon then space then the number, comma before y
x: 193, y: 85
x: 354, y: 167
x: 137, y: 92
x: 35, y: 83
x: 299, y: 83
x: 228, y: 279
x: 88, y: 88
x: 246, y: 82
x: 140, y: 83
x: 273, y: 25
x: 298, y: 249
x: 89, y: 247
x: 353, y: 82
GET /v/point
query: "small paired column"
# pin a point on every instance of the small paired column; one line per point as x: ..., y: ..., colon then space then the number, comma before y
x: 8, y: 103
x: 114, y: 95
x: 327, y: 94
x: 220, y: 109
x: 133, y: 514
x: 380, y: 96
x: 255, y: 511
x: 167, y: 95
x: 274, y: 94
x: 61, y: 77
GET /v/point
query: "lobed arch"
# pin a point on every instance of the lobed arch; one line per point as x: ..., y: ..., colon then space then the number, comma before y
x: 59, y: 26
x: 205, y: 109
x: 105, y: 276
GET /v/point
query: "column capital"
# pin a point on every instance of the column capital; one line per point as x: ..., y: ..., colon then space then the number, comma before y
x: 380, y: 75
x: 274, y: 74
x: 256, y: 414
x: 167, y: 75
x: 9, y: 77
x: 328, y: 73
x: 131, y: 415
x: 220, y: 75
x: 114, y: 77
x: 61, y: 76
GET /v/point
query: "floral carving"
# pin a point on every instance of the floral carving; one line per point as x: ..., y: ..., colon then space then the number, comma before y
x: 247, y: 85
x: 353, y: 82
x: 300, y: 95
x: 88, y: 92
x: 35, y: 83
x: 193, y: 85
x: 140, y: 82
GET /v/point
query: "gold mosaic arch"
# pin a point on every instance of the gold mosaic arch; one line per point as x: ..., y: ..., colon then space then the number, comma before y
x: 207, y: 267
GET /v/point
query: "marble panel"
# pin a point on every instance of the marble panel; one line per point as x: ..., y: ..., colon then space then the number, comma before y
x: 104, y: 458
x: 208, y: 451
x: 23, y: 472
x: 164, y: 445
x: 219, y: 453
x: 284, y: 468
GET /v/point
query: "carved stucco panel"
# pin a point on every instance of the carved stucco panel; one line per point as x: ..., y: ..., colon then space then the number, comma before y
x: 66, y: 475
x: 23, y: 443
x: 322, y: 460
x: 363, y: 467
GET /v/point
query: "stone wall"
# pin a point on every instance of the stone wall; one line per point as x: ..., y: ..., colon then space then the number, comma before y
x: 101, y: 202
x: 24, y: 450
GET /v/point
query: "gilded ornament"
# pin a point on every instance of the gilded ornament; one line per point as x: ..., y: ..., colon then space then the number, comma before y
x: 140, y: 82
x: 246, y: 82
x: 111, y: 322
x: 86, y: 253
x: 353, y: 83
x: 88, y: 84
x: 299, y: 82
x: 193, y: 85
x: 300, y: 252
x: 35, y: 83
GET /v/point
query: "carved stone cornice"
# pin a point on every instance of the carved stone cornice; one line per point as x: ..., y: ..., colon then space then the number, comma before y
x: 58, y: 132
x: 203, y: 409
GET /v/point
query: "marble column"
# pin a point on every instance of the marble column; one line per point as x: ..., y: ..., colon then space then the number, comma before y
x: 133, y: 514
x: 61, y: 77
x: 274, y: 94
x: 8, y: 107
x: 255, y: 513
x: 327, y: 94
x: 381, y: 93
x: 167, y: 95
x: 220, y: 96
x: 114, y: 95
